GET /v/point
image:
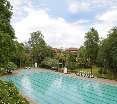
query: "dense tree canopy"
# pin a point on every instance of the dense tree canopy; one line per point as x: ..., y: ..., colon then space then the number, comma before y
x: 6, y: 48
x: 5, y: 17
x: 107, y: 55
x: 50, y: 62
x: 39, y: 48
x: 91, y: 44
x: 6, y: 32
x: 82, y: 57
x: 19, y: 53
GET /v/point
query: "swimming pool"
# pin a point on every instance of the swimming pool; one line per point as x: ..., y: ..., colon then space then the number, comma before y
x: 47, y: 87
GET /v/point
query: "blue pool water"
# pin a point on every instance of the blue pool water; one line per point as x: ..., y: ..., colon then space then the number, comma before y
x: 47, y: 87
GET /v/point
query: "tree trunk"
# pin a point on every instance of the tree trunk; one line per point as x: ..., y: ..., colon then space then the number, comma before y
x: 91, y: 70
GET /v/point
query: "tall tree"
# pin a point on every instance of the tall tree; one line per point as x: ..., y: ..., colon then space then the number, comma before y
x: 82, y: 57
x: 6, y: 32
x: 107, y: 56
x: 91, y: 44
x: 38, y: 46
x: 19, y: 53
x: 5, y: 17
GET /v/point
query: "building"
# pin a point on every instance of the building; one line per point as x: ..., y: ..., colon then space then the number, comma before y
x: 69, y: 50
x: 72, y: 50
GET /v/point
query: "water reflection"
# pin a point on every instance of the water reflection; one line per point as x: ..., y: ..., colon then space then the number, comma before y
x: 26, y: 85
x: 58, y: 82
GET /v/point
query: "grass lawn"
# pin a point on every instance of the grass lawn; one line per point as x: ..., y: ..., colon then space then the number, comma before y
x: 95, y: 71
x: 10, y: 95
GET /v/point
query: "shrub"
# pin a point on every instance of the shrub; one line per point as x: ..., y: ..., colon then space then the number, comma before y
x: 102, y: 71
x: 49, y: 62
x: 10, y: 95
x: 10, y: 67
x: 72, y: 65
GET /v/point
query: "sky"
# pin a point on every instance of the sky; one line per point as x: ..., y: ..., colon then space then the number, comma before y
x: 63, y: 22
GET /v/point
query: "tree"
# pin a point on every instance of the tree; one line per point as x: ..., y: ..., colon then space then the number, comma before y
x: 27, y: 55
x: 5, y: 16
x: 6, y: 32
x: 67, y: 59
x: 107, y: 55
x: 6, y: 48
x: 62, y: 58
x: 19, y: 53
x: 50, y: 62
x: 82, y: 57
x: 38, y: 47
x: 91, y: 44
x: 113, y: 50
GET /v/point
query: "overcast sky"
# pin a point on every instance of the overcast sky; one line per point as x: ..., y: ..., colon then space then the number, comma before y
x: 63, y: 22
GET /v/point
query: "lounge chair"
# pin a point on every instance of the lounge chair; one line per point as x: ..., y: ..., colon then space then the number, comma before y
x: 78, y: 74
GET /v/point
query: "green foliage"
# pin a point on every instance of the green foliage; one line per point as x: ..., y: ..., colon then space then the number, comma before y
x: 65, y: 58
x: 10, y: 67
x: 6, y: 32
x: 72, y: 65
x: 102, y: 71
x: 71, y: 57
x: 82, y: 58
x: 36, y: 39
x: 49, y: 62
x: 88, y: 53
x: 5, y: 16
x: 6, y: 48
x: 10, y: 95
x: 61, y: 57
x: 39, y: 48
x: 19, y: 54
x: 27, y: 56
x: 107, y: 56
x: 91, y: 44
